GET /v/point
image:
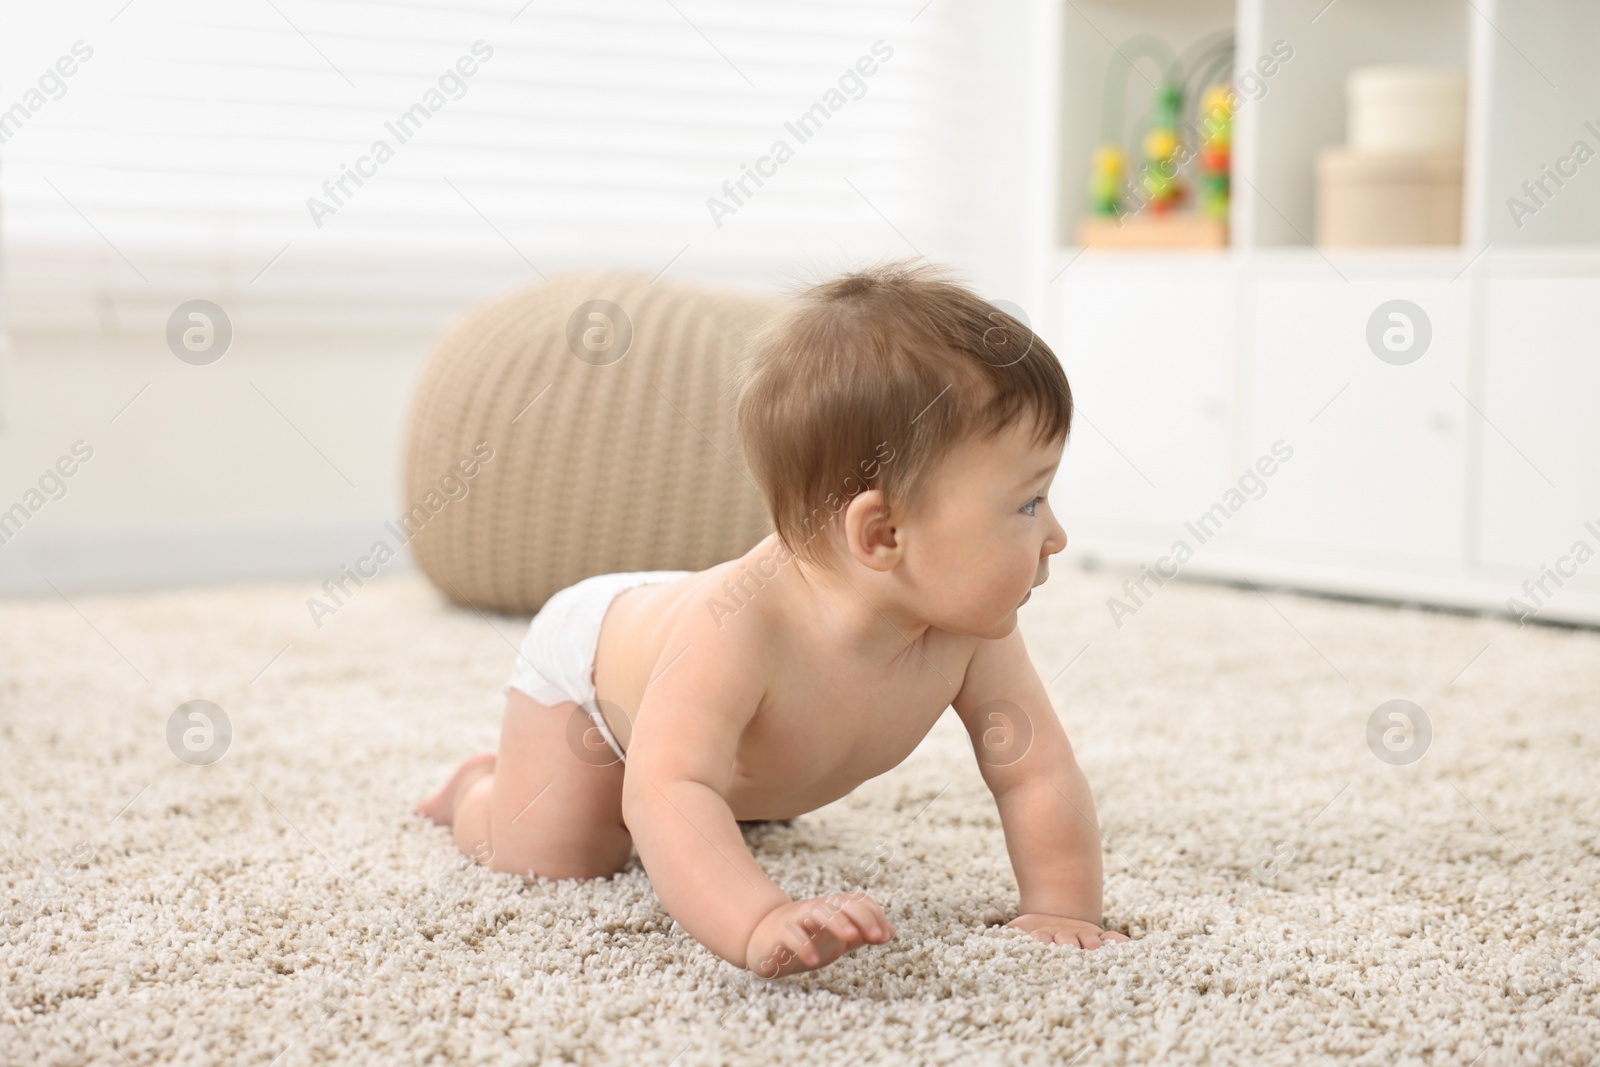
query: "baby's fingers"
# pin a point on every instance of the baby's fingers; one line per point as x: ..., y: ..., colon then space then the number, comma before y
x: 803, y: 945
x: 841, y: 923
x: 821, y: 934
x: 802, y: 949
x: 869, y: 918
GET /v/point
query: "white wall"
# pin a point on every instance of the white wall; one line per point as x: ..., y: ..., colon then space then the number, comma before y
x: 202, y: 479
x: 199, y: 478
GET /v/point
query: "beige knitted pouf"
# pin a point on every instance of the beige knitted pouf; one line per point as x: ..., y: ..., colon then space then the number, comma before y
x: 606, y: 452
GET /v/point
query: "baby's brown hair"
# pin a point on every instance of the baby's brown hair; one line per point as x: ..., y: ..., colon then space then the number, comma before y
x: 869, y: 380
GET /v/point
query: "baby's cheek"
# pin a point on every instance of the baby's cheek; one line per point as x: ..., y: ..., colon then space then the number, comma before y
x: 1019, y: 575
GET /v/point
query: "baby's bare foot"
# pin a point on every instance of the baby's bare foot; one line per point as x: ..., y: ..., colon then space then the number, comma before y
x: 441, y: 807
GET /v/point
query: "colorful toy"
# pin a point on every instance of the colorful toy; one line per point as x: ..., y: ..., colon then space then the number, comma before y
x: 1170, y: 138
x: 1163, y: 186
x: 1111, y: 192
x: 1106, y: 179
x: 1216, y: 139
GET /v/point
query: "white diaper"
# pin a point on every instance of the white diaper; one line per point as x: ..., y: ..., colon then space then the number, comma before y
x: 556, y: 661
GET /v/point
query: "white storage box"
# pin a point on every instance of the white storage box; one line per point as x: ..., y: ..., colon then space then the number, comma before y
x: 1410, y: 110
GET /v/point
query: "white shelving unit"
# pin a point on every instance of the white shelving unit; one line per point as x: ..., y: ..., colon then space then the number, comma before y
x: 1450, y: 480
x: 1303, y: 107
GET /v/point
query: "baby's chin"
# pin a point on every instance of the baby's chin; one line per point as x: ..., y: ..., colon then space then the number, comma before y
x: 989, y: 626
x: 998, y: 629
x: 1009, y: 623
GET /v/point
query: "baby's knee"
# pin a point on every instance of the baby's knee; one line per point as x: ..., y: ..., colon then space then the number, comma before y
x: 600, y: 857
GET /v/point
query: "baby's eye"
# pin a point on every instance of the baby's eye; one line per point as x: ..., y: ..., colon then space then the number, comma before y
x: 1032, y: 506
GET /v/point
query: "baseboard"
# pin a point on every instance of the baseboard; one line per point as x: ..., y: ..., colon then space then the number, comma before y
x: 1466, y: 593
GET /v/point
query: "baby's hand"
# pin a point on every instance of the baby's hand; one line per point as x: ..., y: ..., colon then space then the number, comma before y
x: 804, y: 935
x: 1062, y: 931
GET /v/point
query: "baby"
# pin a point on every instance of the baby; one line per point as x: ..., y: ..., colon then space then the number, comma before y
x: 904, y: 434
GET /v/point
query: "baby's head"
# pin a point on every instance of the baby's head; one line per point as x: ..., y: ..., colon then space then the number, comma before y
x: 896, y: 421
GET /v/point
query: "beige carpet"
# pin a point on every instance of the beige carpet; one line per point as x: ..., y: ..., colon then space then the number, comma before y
x: 1293, y: 899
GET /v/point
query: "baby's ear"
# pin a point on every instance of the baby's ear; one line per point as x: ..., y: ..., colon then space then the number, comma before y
x: 870, y: 531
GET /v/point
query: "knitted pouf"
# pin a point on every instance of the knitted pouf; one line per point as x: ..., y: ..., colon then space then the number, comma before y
x: 580, y: 427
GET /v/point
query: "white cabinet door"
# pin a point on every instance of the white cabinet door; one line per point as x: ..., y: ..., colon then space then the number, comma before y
x: 1149, y: 355
x: 1539, y: 452
x: 1378, y: 476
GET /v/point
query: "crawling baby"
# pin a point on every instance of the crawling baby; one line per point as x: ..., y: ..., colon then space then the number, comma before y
x: 904, y: 434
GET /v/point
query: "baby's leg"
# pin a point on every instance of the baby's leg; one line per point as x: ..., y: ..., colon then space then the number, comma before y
x: 539, y: 806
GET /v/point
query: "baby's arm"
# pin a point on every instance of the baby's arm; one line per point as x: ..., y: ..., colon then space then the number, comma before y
x: 680, y: 763
x: 1046, y: 808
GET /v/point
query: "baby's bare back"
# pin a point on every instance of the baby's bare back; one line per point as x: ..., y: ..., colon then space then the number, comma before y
x: 826, y: 722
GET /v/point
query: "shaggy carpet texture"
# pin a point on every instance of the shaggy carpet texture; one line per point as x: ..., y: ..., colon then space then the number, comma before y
x: 1293, y: 897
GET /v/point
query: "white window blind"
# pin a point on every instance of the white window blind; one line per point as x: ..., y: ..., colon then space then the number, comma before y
x: 179, y: 160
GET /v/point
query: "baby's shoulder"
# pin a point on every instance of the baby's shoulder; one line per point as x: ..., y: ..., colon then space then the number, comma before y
x: 706, y: 661
x: 733, y: 629
x: 704, y: 613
